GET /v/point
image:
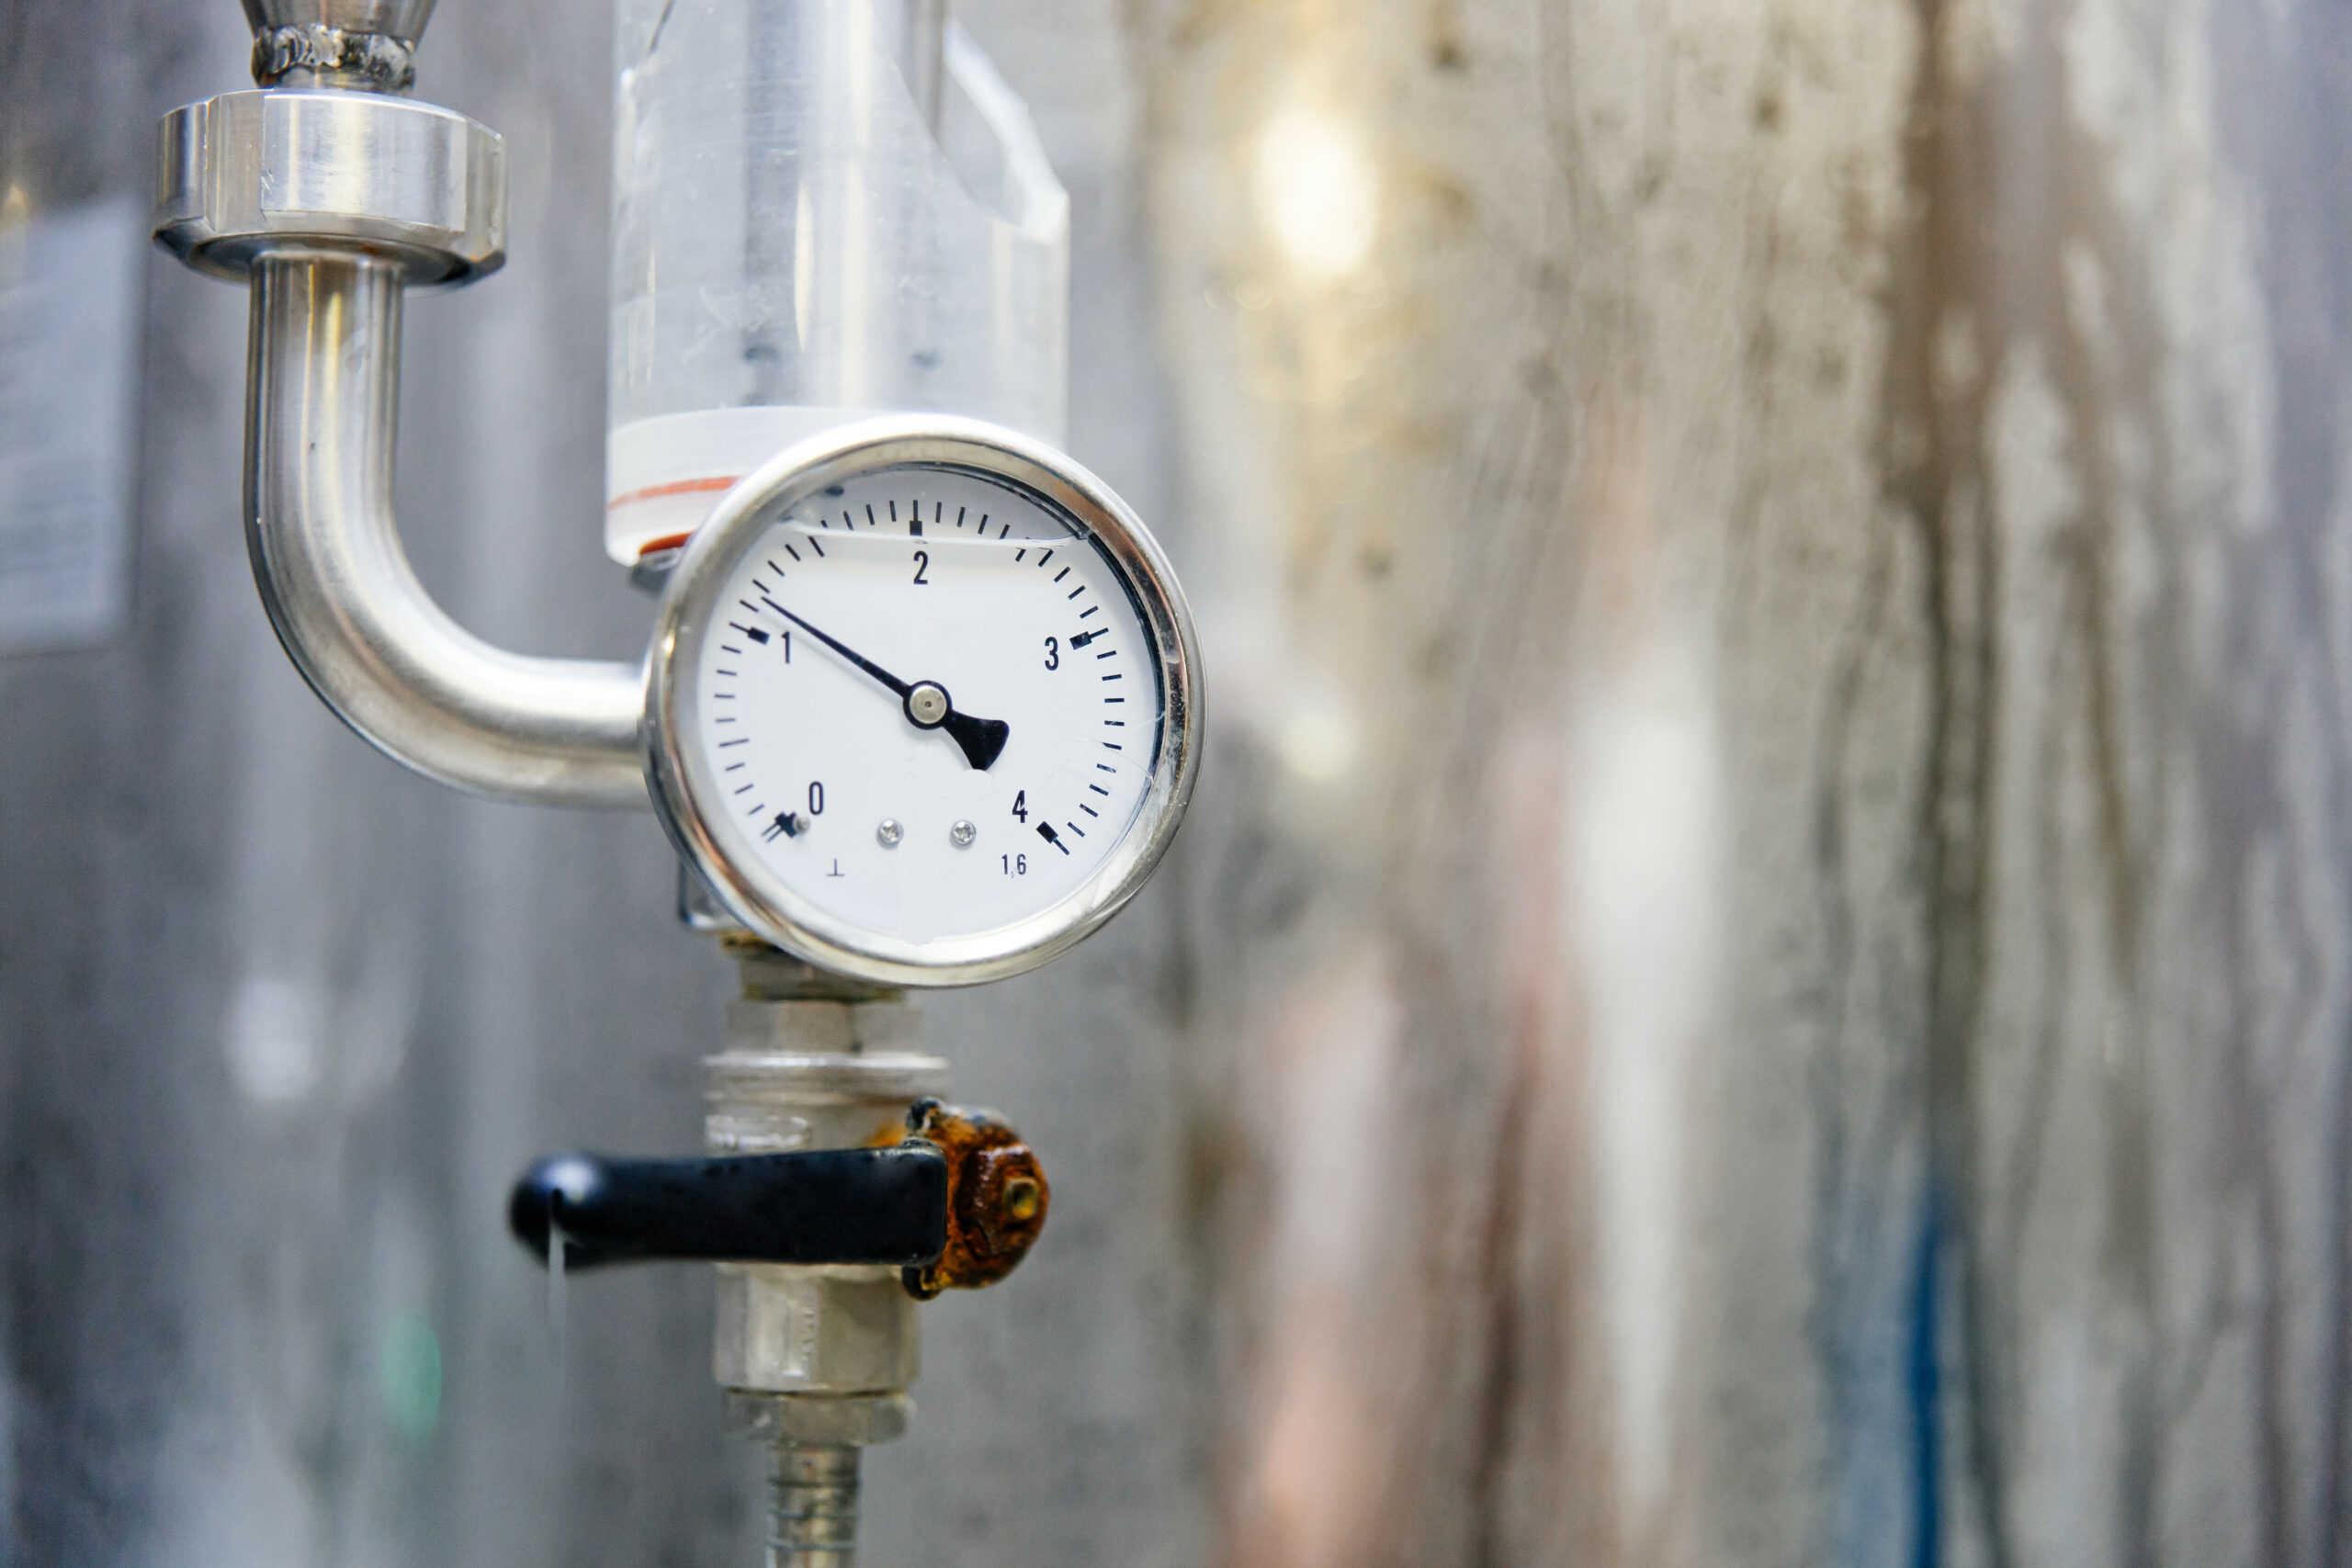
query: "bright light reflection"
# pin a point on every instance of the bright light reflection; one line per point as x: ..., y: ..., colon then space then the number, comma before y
x: 1317, y: 742
x: 275, y: 1031
x: 1317, y: 193
x: 1643, y: 852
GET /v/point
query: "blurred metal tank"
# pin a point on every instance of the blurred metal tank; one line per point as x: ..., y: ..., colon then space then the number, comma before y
x: 1757, y: 975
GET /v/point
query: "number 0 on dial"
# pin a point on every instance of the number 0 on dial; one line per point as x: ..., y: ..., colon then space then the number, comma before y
x: 923, y: 702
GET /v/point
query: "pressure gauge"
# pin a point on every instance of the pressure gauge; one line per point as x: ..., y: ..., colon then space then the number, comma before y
x: 923, y: 704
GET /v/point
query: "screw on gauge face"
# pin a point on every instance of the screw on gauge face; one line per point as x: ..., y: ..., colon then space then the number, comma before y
x: 927, y: 703
x: 962, y: 834
x: 889, y: 833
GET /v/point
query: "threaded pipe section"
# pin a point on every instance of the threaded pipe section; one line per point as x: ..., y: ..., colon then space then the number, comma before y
x: 812, y: 1507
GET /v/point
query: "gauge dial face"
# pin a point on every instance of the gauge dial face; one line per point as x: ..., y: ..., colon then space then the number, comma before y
x: 926, y: 723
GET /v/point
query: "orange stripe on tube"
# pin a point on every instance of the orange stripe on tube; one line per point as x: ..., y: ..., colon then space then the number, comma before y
x: 683, y: 487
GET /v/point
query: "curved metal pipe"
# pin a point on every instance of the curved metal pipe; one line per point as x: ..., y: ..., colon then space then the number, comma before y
x: 323, y: 394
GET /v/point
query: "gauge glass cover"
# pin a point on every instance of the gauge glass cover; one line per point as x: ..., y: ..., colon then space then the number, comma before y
x: 923, y: 702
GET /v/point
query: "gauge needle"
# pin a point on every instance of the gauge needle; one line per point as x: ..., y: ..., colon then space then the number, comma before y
x: 927, y: 703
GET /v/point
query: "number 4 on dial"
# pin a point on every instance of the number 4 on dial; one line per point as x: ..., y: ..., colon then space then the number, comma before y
x: 1021, y: 805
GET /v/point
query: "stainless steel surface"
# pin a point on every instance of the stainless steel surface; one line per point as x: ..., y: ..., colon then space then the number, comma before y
x: 416, y: 187
x: 681, y: 779
x: 327, y: 557
x: 812, y: 1507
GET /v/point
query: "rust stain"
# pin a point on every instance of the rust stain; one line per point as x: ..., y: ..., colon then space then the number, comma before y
x: 997, y: 1197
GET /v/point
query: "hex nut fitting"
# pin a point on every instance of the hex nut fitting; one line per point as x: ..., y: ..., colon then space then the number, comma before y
x: 861, y: 1419
x: 296, y: 169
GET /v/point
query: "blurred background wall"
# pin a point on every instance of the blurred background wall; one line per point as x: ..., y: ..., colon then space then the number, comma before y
x: 1761, y: 969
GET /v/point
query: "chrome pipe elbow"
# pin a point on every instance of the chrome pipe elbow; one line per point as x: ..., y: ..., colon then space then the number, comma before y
x: 322, y: 398
x: 330, y: 202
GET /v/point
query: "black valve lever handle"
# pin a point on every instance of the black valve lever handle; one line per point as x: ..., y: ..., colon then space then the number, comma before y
x: 871, y: 1205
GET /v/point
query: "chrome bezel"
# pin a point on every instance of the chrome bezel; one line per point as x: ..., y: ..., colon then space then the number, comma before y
x: 679, y: 777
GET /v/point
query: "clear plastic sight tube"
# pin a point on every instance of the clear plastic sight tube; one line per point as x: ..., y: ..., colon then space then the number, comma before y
x: 795, y: 246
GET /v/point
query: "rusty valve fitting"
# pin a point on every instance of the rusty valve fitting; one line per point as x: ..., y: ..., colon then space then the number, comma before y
x: 996, y: 1199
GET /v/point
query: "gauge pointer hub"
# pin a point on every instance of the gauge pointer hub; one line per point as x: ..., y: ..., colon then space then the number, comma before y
x: 927, y: 703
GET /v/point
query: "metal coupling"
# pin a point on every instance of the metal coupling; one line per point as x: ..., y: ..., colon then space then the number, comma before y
x: 819, y: 1353
x: 421, y: 188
